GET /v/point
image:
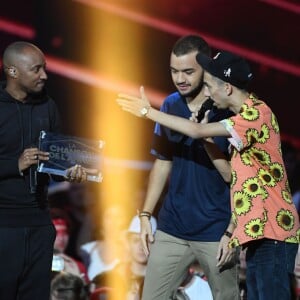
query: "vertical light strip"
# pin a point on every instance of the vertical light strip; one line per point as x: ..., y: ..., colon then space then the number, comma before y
x: 117, y: 129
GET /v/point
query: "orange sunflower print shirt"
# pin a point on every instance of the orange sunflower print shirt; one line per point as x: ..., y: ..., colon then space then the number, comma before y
x: 261, y: 200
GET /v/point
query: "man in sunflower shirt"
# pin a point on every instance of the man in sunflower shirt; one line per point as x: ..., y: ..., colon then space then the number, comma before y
x: 264, y: 218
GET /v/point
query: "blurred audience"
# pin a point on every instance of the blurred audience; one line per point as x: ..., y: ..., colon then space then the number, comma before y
x: 62, y: 261
x: 195, y: 286
x: 127, y: 278
x: 134, y: 269
x: 105, y: 253
x: 79, y: 201
x: 66, y: 286
x: 82, y: 200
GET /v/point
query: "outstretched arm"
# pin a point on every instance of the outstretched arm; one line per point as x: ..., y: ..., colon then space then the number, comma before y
x: 136, y: 106
x: 217, y: 157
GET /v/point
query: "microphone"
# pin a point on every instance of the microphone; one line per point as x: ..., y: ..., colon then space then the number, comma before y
x: 33, y: 176
x: 32, y: 179
x: 207, y: 105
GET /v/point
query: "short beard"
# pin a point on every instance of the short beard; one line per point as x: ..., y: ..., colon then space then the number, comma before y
x: 193, y: 93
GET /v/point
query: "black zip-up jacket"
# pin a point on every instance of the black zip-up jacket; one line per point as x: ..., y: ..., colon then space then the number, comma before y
x: 20, y: 126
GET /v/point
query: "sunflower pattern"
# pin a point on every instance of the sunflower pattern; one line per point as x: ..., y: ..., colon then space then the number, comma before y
x: 255, y: 228
x: 231, y: 122
x: 292, y: 239
x: 253, y: 188
x: 264, y: 134
x: 279, y: 149
x: 246, y: 157
x: 260, y: 194
x: 242, y: 203
x: 243, y: 108
x: 277, y: 170
x: 233, y: 219
x: 287, y: 187
x: 285, y: 219
x: 250, y: 113
x: 266, y: 178
x: 274, y: 123
x: 286, y: 195
x: 262, y: 156
x: 298, y: 235
x: 235, y: 153
x: 234, y: 243
x: 233, y: 178
x: 252, y: 136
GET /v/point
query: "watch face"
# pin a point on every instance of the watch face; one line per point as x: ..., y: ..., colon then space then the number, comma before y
x: 144, y: 111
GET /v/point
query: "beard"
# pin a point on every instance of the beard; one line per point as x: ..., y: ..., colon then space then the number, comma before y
x: 194, y: 92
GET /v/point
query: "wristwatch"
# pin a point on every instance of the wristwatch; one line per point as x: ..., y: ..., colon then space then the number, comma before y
x: 144, y: 111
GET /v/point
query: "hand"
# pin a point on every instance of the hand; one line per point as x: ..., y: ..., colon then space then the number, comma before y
x: 31, y: 156
x: 133, y: 104
x: 78, y: 173
x: 225, y: 254
x: 193, y: 117
x: 205, y: 118
x: 146, y: 234
x: 205, y: 121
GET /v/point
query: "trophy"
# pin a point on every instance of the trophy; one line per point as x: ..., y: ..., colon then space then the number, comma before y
x: 67, y: 151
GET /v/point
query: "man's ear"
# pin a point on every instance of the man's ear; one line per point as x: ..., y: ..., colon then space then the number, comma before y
x: 228, y: 88
x: 12, y: 71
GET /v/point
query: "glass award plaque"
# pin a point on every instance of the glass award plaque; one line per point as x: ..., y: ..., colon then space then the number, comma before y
x: 67, y: 151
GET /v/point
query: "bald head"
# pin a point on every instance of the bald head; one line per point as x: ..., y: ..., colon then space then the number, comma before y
x: 15, y: 51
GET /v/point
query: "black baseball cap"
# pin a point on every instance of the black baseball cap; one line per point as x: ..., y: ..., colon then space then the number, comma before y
x: 227, y: 67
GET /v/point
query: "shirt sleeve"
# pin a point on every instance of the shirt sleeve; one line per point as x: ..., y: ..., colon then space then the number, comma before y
x: 244, y: 128
x: 164, y: 139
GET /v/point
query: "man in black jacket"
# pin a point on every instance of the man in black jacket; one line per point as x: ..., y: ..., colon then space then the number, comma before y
x: 26, y: 231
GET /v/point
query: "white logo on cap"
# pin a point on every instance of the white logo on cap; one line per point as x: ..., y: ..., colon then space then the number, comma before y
x: 216, y: 56
x: 227, y: 72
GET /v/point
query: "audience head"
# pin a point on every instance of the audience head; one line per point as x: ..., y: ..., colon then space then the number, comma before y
x: 62, y: 224
x: 66, y: 286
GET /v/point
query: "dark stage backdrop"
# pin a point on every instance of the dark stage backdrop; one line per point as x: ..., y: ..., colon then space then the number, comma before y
x: 135, y: 37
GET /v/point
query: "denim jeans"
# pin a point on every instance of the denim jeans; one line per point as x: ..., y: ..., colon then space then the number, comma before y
x: 270, y: 268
